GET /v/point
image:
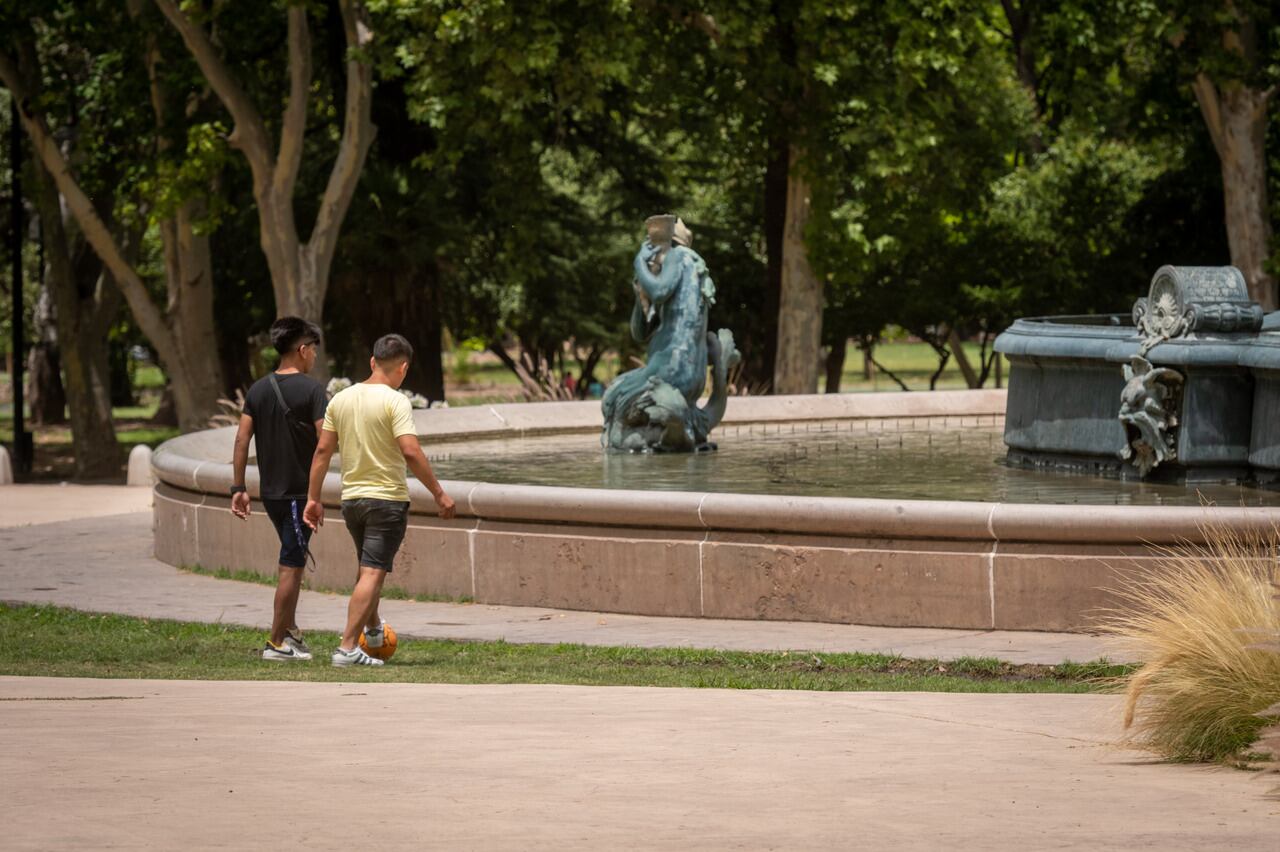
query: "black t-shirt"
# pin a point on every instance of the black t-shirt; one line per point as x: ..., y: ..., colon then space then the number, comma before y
x: 284, y: 461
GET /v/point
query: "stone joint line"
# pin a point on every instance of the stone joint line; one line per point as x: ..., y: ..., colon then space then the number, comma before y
x: 991, y: 562
x: 471, y: 541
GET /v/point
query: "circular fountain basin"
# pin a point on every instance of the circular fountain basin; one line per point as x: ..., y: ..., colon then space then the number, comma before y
x: 754, y: 531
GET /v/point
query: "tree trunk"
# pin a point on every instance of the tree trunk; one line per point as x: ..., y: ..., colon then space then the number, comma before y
x: 166, y: 412
x: 835, y: 365
x: 48, y: 398
x: 775, y: 225
x: 196, y: 376
x: 233, y: 357
x: 416, y: 315
x: 118, y: 369
x: 1022, y: 25
x: 1236, y: 116
x: 83, y: 321
x: 431, y: 356
x: 88, y: 375
x: 801, y: 302
x: 868, y: 347
x: 962, y: 360
x: 1237, y: 120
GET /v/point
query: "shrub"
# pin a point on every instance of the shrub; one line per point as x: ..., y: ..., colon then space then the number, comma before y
x: 1195, y: 624
x: 1267, y: 745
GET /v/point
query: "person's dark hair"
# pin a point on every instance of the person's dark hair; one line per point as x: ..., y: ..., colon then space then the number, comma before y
x: 392, y: 348
x: 288, y: 333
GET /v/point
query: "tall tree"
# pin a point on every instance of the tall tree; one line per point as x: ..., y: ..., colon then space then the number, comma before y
x: 299, y: 270
x: 85, y: 299
x: 1229, y: 49
x: 180, y: 330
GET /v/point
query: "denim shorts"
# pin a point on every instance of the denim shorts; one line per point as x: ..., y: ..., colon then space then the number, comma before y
x: 295, y: 536
x: 377, y: 528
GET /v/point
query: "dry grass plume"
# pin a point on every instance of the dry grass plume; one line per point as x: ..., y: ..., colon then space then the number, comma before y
x: 1196, y: 624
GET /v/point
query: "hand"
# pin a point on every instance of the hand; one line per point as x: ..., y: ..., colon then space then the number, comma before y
x: 313, y: 515
x: 445, y: 503
x: 240, y: 505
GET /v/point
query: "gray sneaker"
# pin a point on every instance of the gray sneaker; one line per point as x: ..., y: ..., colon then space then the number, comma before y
x: 284, y: 654
x: 354, y: 657
x: 294, y: 640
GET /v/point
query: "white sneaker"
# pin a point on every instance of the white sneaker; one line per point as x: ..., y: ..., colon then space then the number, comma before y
x: 285, y: 653
x: 295, y: 641
x: 354, y: 657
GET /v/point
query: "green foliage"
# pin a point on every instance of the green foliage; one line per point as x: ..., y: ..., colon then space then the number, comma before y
x: 964, y: 171
x: 1061, y: 222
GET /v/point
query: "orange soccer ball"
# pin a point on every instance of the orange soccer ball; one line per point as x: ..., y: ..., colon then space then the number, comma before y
x: 386, y: 649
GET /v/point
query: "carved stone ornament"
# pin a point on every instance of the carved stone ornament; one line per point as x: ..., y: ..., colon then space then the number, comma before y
x: 1149, y: 411
x: 1184, y: 299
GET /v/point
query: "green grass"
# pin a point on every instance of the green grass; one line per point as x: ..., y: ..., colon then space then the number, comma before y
x: 914, y: 363
x: 148, y: 376
x: 390, y: 593
x: 54, y: 453
x: 57, y: 642
x: 488, y: 382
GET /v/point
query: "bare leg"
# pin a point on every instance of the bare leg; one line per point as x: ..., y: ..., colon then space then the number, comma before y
x: 364, y: 602
x: 375, y: 619
x: 286, y: 603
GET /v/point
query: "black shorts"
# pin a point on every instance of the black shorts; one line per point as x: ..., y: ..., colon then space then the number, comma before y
x: 377, y: 527
x: 295, y: 536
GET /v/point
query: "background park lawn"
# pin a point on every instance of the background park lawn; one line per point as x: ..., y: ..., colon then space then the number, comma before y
x: 473, y: 379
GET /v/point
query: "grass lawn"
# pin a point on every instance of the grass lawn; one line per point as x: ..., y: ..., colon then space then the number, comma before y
x: 914, y: 363
x: 54, y: 459
x: 487, y: 381
x: 51, y: 641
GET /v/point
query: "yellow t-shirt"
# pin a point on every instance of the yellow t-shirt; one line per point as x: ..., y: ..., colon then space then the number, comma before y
x: 368, y: 419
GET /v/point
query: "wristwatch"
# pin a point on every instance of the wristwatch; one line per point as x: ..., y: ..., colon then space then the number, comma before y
x: 237, y: 489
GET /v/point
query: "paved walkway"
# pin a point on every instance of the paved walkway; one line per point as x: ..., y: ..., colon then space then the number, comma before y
x: 100, y: 764
x: 104, y: 564
x: 39, y: 503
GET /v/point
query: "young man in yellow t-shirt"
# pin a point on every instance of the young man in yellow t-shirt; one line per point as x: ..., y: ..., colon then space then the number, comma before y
x: 372, y: 424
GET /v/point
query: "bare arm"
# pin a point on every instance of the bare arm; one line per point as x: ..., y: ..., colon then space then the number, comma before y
x: 239, y: 461
x: 313, y: 515
x: 421, y: 468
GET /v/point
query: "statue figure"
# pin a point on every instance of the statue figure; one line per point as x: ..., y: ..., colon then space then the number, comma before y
x: 1183, y: 301
x: 654, y: 408
x: 1148, y: 408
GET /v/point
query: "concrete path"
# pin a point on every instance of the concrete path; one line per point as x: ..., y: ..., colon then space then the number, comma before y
x: 104, y: 564
x: 105, y: 764
x: 39, y: 503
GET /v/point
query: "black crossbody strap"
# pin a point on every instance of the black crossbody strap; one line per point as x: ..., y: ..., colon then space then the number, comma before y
x: 275, y: 386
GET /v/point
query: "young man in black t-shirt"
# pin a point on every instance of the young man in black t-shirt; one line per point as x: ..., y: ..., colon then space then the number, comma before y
x: 286, y: 440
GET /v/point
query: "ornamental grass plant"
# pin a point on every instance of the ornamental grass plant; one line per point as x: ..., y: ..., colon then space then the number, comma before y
x: 1198, y: 624
x: 1267, y: 746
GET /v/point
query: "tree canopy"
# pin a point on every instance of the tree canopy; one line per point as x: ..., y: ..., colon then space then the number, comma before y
x: 480, y: 171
